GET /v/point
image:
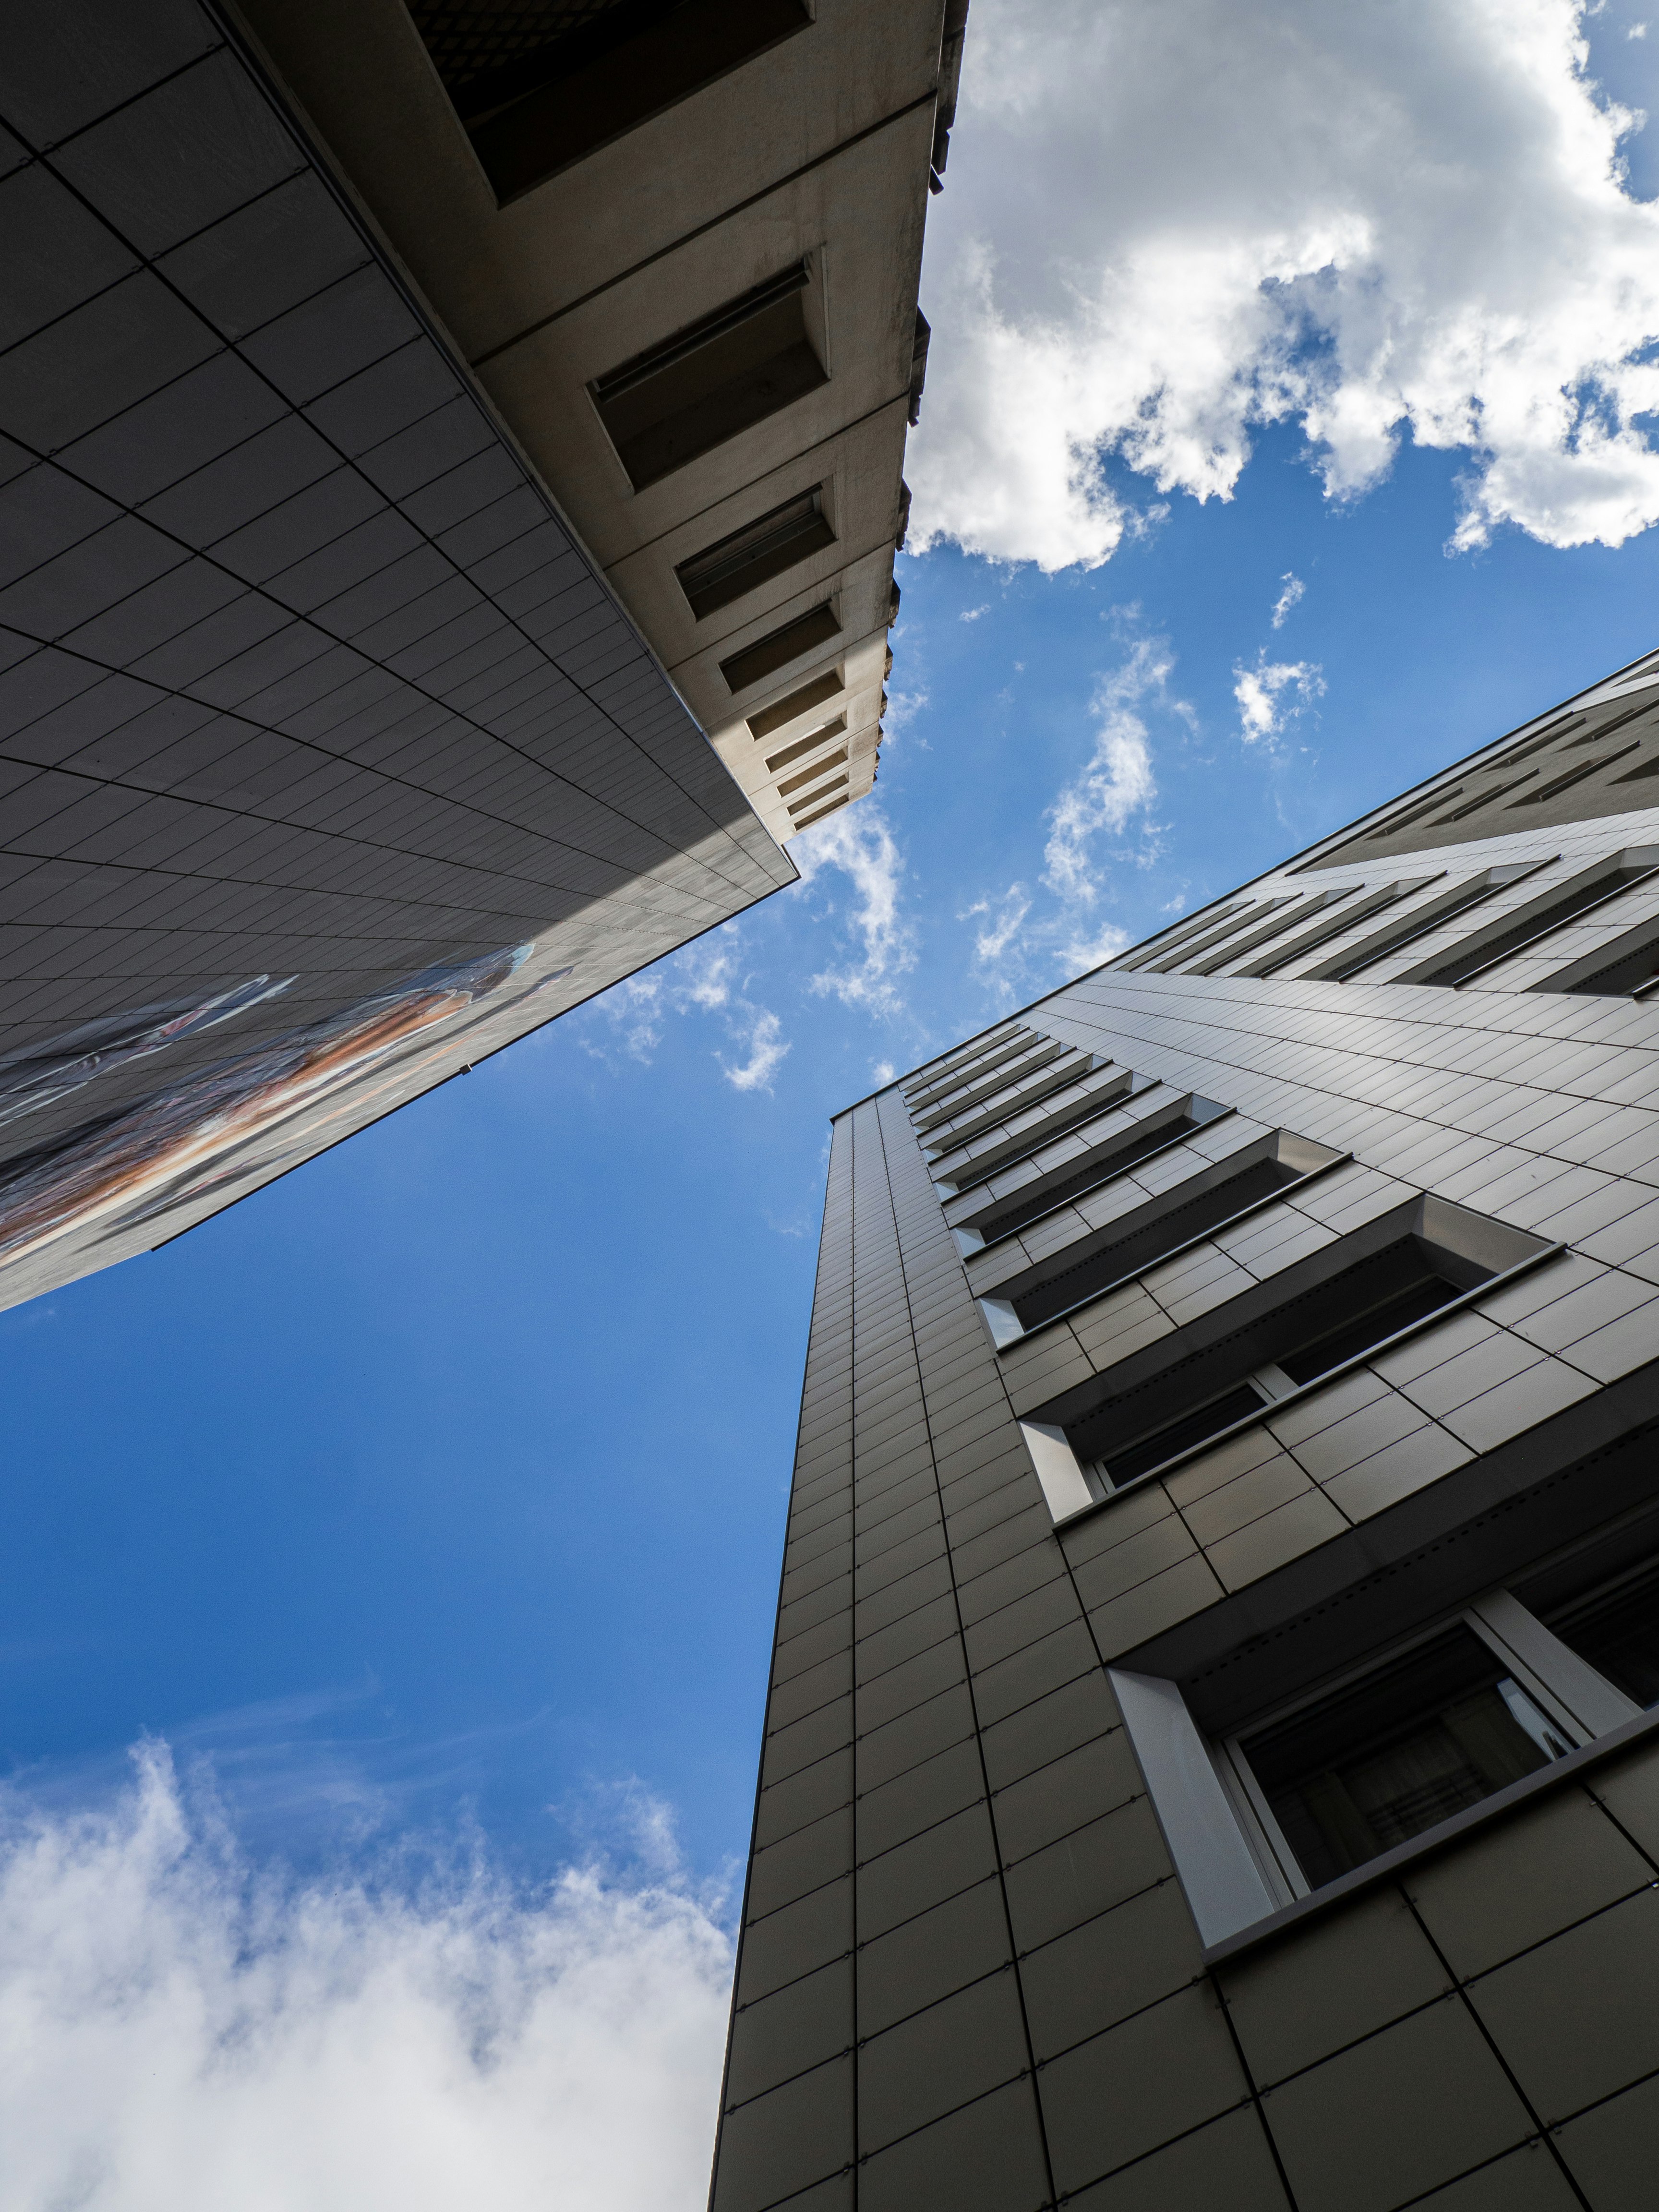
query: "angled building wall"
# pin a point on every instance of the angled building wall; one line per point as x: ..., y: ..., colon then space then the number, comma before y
x: 1210, y: 1751
x: 334, y: 753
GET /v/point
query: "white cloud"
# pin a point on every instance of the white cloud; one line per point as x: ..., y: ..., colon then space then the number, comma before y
x: 973, y: 614
x: 1117, y: 781
x: 767, y: 1051
x: 698, y: 978
x: 185, y: 2034
x: 859, y: 842
x: 1273, y: 694
x: 1166, y: 227
x: 1636, y: 31
x: 883, y: 1074
x: 1294, y: 591
x: 1027, y: 933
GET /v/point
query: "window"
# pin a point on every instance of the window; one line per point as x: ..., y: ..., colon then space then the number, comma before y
x: 1301, y: 909
x: 805, y: 821
x: 934, y: 1074
x: 538, y: 87
x: 1372, y: 1762
x: 1628, y: 968
x: 1075, y: 1177
x: 1415, y: 1742
x: 836, y: 759
x: 1071, y: 1069
x: 1166, y: 940
x: 802, y: 746
x: 713, y: 380
x: 1539, y: 918
x: 1242, y: 1359
x: 1236, y: 1186
x: 1006, y: 1046
x: 800, y: 702
x: 801, y: 807
x: 1560, y: 783
x: 1617, y: 1631
x: 753, y: 556
x: 1334, y: 925
x: 780, y: 646
x: 977, y: 1084
x: 1339, y: 1320
x: 1235, y: 922
x: 1405, y: 928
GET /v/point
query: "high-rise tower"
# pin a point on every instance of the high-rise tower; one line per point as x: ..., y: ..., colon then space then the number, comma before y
x: 1212, y: 1749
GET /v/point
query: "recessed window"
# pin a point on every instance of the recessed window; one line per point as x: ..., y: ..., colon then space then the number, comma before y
x: 1157, y: 1421
x: 1074, y: 1178
x: 1626, y: 968
x: 712, y: 381
x: 1251, y: 1178
x: 1409, y: 1745
x: 753, y: 556
x: 538, y: 86
x: 837, y: 759
x: 802, y: 746
x: 807, y: 821
x: 1560, y: 783
x: 814, y: 693
x: 1405, y: 928
x: 778, y: 648
x: 813, y: 797
x: 1540, y: 919
x: 1235, y: 1364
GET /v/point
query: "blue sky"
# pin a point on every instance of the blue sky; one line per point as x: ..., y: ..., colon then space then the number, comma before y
x: 430, y: 1502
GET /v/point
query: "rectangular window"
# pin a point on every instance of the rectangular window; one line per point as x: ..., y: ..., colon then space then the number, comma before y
x: 1538, y: 920
x: 1405, y: 928
x: 1298, y: 910
x: 1242, y: 1359
x: 801, y: 701
x: 1235, y: 922
x: 812, y: 798
x: 977, y: 1084
x: 807, y: 821
x: 1075, y: 1066
x: 1128, y: 1435
x: 804, y: 745
x: 1167, y: 940
x: 538, y: 87
x: 1236, y: 1186
x: 1560, y: 783
x: 712, y: 381
x: 1626, y: 968
x: 808, y: 775
x: 778, y: 648
x: 1334, y: 925
x: 1412, y: 1743
x: 1075, y: 1177
x: 934, y: 1074
x: 1013, y: 1045
x: 753, y: 556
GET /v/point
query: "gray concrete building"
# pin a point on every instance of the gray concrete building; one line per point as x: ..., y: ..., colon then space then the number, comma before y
x: 1211, y: 1751
x: 449, y: 480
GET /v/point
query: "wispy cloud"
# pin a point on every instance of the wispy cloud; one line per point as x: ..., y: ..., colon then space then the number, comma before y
x: 1273, y: 694
x: 859, y: 843
x: 767, y: 1052
x: 1294, y: 590
x: 1026, y: 933
x: 973, y: 614
x: 188, y: 2030
x: 703, y: 978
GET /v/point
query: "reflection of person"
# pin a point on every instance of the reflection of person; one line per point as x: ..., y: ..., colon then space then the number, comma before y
x: 180, y: 1135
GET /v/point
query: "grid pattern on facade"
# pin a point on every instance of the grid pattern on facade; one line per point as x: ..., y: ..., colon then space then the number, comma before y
x: 970, y: 1974
x: 303, y: 679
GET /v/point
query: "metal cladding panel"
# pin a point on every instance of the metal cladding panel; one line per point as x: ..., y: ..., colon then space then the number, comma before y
x: 969, y: 1973
x: 327, y: 764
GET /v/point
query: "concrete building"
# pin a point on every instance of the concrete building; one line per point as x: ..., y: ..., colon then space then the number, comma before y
x: 1212, y: 1749
x: 420, y: 434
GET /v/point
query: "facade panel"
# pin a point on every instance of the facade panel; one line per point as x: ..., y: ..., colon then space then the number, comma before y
x: 1246, y: 1787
